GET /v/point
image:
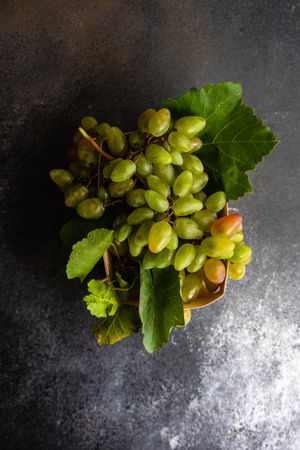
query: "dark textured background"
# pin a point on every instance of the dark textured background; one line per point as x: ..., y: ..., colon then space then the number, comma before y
x: 231, y: 380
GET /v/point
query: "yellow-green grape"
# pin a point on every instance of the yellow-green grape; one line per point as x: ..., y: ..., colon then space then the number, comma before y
x: 165, y: 173
x: 204, y: 219
x: 75, y: 168
x: 102, y: 194
x: 63, y: 178
x: 242, y: 253
x: 183, y: 183
x: 119, y: 190
x: 191, y: 287
x: 214, y: 270
x: 159, y: 236
x: 236, y: 270
x: 109, y: 167
x: 136, y: 198
x: 165, y: 258
x: 124, y: 232
x: 140, y: 215
x: 192, y: 163
x: 142, y: 234
x: 184, y: 256
x: 143, y: 166
x: 91, y: 208
x: 77, y: 137
x: 217, y: 247
x: 144, y: 119
x: 158, y: 155
x: 200, y: 195
x: 123, y: 171
x: 117, y: 142
x: 238, y: 236
x: 75, y: 194
x: 179, y: 142
x: 173, y: 242
x: 195, y: 144
x: 148, y: 260
x: 102, y: 130
x: 158, y: 217
x: 190, y: 125
x: 199, y: 182
x: 136, y: 140
x: 185, y: 206
x: 158, y: 185
x: 216, y: 201
x: 87, y: 156
x: 187, y: 229
x: 88, y: 122
x: 134, y: 250
x: 156, y: 201
x: 177, y: 159
x: 159, y: 122
x: 187, y: 316
x: 198, y: 261
x: 120, y: 220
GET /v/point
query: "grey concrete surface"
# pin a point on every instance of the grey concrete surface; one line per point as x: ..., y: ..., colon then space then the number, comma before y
x: 230, y: 381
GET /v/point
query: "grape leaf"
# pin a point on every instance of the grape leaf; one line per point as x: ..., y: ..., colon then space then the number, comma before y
x: 160, y: 305
x: 102, y: 301
x: 112, y: 329
x: 235, y: 140
x: 87, y: 252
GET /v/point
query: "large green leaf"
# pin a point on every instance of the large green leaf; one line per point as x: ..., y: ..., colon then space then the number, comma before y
x: 87, y: 252
x: 160, y: 306
x: 235, y: 140
x: 101, y: 301
x: 112, y: 329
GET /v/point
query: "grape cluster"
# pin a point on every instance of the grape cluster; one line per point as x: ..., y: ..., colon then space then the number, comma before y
x: 155, y: 182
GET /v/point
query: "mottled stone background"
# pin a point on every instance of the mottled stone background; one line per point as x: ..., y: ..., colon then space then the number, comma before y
x: 231, y: 380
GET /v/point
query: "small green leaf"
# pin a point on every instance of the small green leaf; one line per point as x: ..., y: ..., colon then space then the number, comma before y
x: 161, y: 306
x: 87, y: 252
x: 122, y: 283
x: 102, y: 301
x: 112, y: 329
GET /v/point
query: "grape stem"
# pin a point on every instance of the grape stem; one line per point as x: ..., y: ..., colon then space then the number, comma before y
x: 141, y: 179
x: 97, y: 147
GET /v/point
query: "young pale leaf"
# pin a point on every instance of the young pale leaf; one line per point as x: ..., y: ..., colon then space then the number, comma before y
x: 235, y: 140
x: 160, y: 305
x: 121, y: 282
x: 87, y: 252
x: 112, y: 329
x: 102, y: 301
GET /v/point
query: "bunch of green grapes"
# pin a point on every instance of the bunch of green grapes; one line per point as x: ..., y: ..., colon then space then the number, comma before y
x: 157, y: 185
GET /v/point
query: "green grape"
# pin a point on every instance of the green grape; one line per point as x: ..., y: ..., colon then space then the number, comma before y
x: 195, y: 144
x: 124, y: 232
x: 214, y: 270
x: 63, y: 178
x: 184, y: 256
x: 185, y: 206
x: 242, y: 253
x: 165, y: 172
x: 88, y: 122
x: 198, y: 261
x: 187, y: 229
x: 158, y: 185
x: 102, y: 130
x: 87, y: 156
x: 158, y: 155
x: 191, y: 287
x: 74, y: 168
x: 200, y: 195
x: 142, y: 234
x: 102, y: 194
x: 217, y: 247
x: 136, y: 140
x: 109, y: 167
x: 173, y: 243
x: 120, y: 220
x: 134, y: 250
x: 143, y: 166
x: 144, y: 119
x: 123, y: 171
x: 77, y: 137
x: 119, y: 190
x: 236, y: 270
x: 192, y: 163
x: 149, y: 260
x: 156, y: 201
x: 159, y: 236
x: 190, y: 125
x: 247, y: 260
x: 204, y: 219
x: 199, y: 182
x: 183, y: 183
x: 179, y: 142
x: 159, y: 122
x: 163, y: 259
x: 216, y: 201
x: 140, y: 215
x: 238, y: 236
x: 91, y: 208
x: 158, y: 217
x: 75, y: 194
x: 136, y: 198
x: 117, y: 142
x: 176, y: 155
